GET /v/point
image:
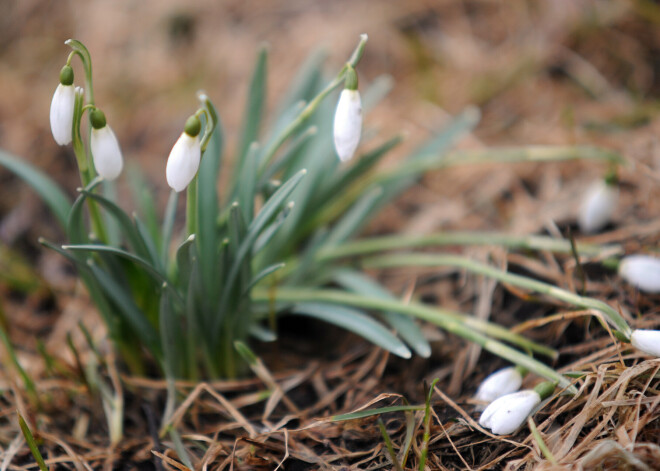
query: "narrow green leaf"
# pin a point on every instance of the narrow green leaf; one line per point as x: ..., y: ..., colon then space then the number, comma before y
x: 354, y: 321
x: 261, y: 333
x: 29, y: 438
x: 158, y: 276
x: 51, y: 193
x: 128, y: 309
x: 75, y: 225
x: 171, y: 337
x: 146, y: 206
x: 404, y: 325
x: 261, y: 275
x: 128, y: 228
x: 361, y: 414
x: 354, y: 217
x: 148, y: 241
x: 269, y: 232
x: 207, y: 212
x: 184, y: 260
x: 304, y: 85
x: 111, y: 227
x: 247, y: 182
x: 168, y: 227
x: 255, y: 106
x: 389, y: 445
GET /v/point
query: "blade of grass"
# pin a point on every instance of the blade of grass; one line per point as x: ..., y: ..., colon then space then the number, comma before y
x: 29, y: 385
x: 361, y: 414
x: 29, y: 438
x: 255, y: 106
x: 427, y: 426
x: 389, y: 445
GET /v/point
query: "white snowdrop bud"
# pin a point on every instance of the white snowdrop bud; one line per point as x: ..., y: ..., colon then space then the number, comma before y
x: 108, y: 160
x: 597, y: 206
x: 61, y: 108
x: 183, y: 162
x: 641, y: 271
x: 505, y: 414
x: 647, y: 341
x: 500, y: 383
x: 348, y: 118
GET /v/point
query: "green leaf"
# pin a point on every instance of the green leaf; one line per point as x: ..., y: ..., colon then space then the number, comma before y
x: 75, y: 225
x: 255, y: 106
x: 146, y: 206
x: 50, y: 192
x: 171, y: 337
x: 404, y: 325
x: 207, y: 211
x: 361, y: 414
x: 149, y: 243
x: 128, y: 228
x: 184, y: 260
x: 168, y: 227
x: 151, y: 269
x: 354, y: 321
x: 304, y: 85
x: 127, y: 309
x: 270, y: 230
x: 247, y: 183
x: 32, y: 444
x: 354, y: 218
x: 263, y: 274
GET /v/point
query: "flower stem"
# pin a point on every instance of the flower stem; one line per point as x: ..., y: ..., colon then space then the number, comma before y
x: 191, y: 208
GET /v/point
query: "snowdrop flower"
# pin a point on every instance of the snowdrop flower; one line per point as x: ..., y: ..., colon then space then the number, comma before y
x: 61, y: 108
x: 641, y: 271
x: 597, y: 207
x: 108, y: 160
x: 505, y: 414
x: 348, y: 118
x: 500, y: 383
x: 647, y: 341
x: 183, y: 162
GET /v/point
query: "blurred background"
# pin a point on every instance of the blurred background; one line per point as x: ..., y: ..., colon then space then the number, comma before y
x: 558, y: 72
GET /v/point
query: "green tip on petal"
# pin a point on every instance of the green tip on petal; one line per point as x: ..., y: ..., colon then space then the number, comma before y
x: 193, y: 126
x: 545, y: 389
x: 97, y: 117
x: 351, y: 80
x: 66, y: 75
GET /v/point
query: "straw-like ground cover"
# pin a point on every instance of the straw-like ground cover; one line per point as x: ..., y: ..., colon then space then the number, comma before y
x: 546, y: 73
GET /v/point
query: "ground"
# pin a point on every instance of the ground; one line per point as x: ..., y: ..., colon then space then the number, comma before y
x: 549, y: 72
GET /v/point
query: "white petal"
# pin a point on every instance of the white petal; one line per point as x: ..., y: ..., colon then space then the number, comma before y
x: 597, y: 207
x: 183, y: 162
x: 106, y: 152
x: 641, y: 271
x: 348, y: 124
x: 61, y: 114
x: 647, y: 341
x: 500, y: 383
x: 505, y: 414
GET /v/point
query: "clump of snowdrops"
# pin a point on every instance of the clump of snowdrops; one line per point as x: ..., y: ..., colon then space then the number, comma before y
x: 279, y: 236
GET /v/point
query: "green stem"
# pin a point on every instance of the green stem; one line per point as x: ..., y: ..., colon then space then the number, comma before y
x: 311, y: 107
x: 432, y: 260
x: 191, y: 208
x: 467, y: 327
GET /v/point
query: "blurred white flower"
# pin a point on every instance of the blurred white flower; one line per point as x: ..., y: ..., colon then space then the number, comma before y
x: 500, y: 383
x: 348, y: 124
x: 108, y: 160
x: 598, y: 205
x: 505, y: 414
x: 641, y: 271
x: 183, y: 162
x: 61, y: 114
x: 647, y: 341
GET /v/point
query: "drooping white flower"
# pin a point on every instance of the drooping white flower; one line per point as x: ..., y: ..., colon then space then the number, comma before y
x: 597, y: 206
x: 108, y: 160
x: 500, y: 383
x: 647, y: 341
x: 61, y: 108
x: 183, y: 162
x: 348, y: 118
x: 505, y: 414
x: 641, y: 271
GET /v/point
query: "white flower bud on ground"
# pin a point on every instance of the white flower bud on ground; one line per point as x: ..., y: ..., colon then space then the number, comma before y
x: 641, y: 271
x: 597, y: 207
x: 348, y: 124
x: 500, y: 383
x: 505, y: 414
x: 108, y: 160
x: 61, y: 114
x: 183, y: 162
x: 647, y: 341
